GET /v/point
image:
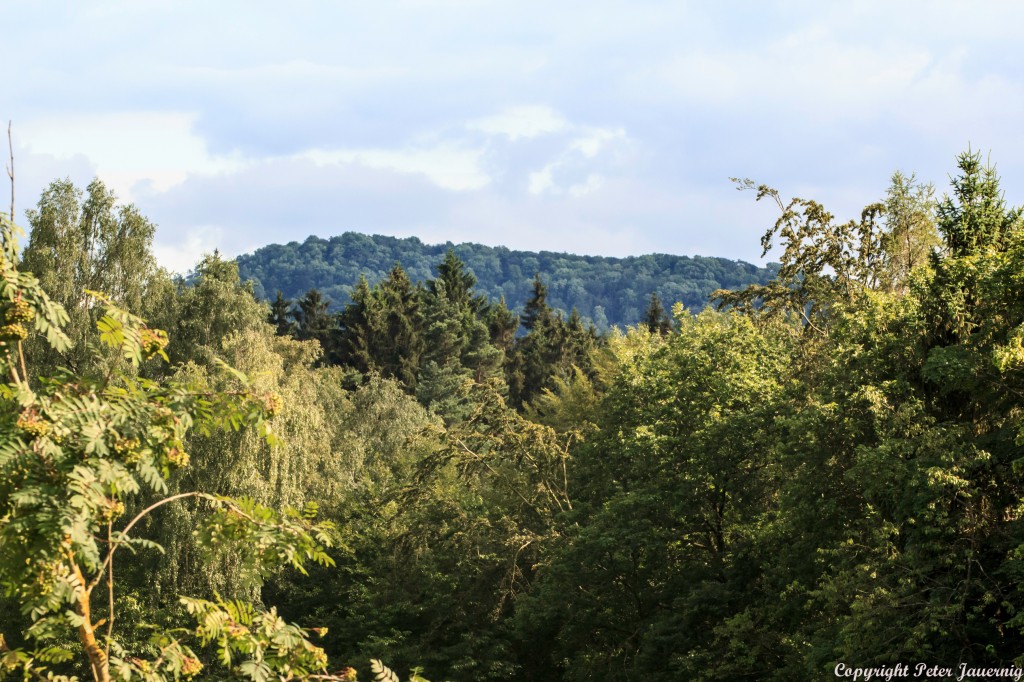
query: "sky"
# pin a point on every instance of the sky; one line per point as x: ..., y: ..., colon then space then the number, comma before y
x: 597, y: 127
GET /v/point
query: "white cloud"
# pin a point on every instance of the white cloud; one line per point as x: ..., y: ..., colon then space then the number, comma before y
x: 813, y: 71
x: 447, y: 165
x: 573, y: 165
x: 590, y: 185
x: 181, y: 252
x: 541, y: 181
x: 594, y: 140
x: 127, y: 148
x: 522, y: 122
x: 574, y: 119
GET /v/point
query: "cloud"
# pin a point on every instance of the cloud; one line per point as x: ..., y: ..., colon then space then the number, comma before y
x: 284, y: 199
x: 183, y: 252
x: 576, y: 166
x: 450, y: 166
x: 606, y: 127
x: 159, y: 149
x: 541, y: 181
x: 521, y: 122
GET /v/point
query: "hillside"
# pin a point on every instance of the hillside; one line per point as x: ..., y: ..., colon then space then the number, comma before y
x: 609, y: 291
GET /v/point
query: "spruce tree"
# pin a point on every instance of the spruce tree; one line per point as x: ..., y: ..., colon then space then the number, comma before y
x: 502, y: 324
x: 656, y: 319
x: 357, y: 321
x: 537, y: 311
x: 281, y: 316
x: 398, y: 345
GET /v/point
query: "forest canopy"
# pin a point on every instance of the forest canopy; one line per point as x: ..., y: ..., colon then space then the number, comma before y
x: 606, y: 291
x: 820, y: 471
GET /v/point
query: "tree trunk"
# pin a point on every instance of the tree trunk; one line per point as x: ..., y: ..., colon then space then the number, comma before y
x: 87, y: 631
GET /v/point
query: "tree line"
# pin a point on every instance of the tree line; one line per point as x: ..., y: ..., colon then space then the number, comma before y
x: 433, y: 336
x: 605, y: 291
x: 820, y: 469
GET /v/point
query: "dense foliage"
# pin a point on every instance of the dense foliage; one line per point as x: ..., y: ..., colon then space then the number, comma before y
x: 823, y: 468
x: 606, y: 291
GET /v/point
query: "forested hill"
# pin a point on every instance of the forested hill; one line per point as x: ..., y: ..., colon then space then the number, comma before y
x: 609, y: 291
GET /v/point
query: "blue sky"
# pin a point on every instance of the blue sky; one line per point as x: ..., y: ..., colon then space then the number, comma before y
x: 605, y: 128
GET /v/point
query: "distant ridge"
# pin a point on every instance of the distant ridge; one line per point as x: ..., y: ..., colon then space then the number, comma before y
x: 608, y: 291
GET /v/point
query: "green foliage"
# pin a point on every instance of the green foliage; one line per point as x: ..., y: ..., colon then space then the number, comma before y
x: 829, y: 470
x: 911, y: 234
x: 76, y: 451
x: 677, y: 490
x: 606, y: 291
x: 87, y: 243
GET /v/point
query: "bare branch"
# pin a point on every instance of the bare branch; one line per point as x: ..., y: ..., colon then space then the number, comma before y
x: 138, y: 517
x: 10, y: 169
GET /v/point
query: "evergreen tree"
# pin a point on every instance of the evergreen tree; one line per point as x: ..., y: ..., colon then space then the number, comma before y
x: 313, y: 322
x: 398, y: 345
x: 458, y: 283
x: 975, y: 217
x: 458, y: 342
x: 655, y: 318
x: 281, y: 316
x: 358, y: 321
x: 537, y: 312
x: 502, y: 324
x: 528, y: 366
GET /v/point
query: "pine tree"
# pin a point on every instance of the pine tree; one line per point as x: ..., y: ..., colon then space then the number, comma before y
x: 281, y: 316
x: 398, y: 346
x: 457, y: 281
x: 537, y: 312
x: 357, y: 322
x: 656, y: 319
x: 975, y: 216
x: 534, y: 355
x: 502, y: 324
x: 313, y: 322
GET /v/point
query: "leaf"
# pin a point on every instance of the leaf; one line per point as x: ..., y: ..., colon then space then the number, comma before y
x: 381, y: 672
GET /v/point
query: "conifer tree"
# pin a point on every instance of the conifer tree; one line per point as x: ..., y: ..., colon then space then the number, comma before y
x: 458, y: 282
x: 314, y: 323
x: 281, y: 316
x: 655, y: 318
x: 536, y: 354
x: 398, y: 344
x: 537, y: 312
x: 975, y: 216
x: 357, y: 322
x: 502, y: 324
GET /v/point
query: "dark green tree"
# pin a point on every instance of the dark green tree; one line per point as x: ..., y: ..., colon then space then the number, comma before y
x: 358, y: 321
x: 281, y: 316
x: 655, y: 318
x: 502, y: 324
x: 537, y: 312
x: 315, y: 323
x: 398, y: 345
